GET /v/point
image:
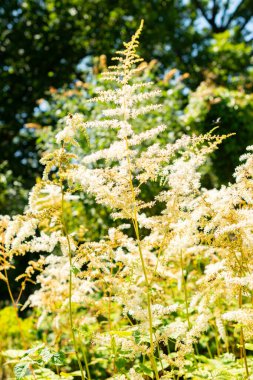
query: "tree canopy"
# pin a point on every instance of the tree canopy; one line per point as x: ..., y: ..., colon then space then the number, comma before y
x: 43, y: 42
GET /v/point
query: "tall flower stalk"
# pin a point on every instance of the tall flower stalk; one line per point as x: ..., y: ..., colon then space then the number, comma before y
x: 65, y: 233
x: 147, y: 282
x: 128, y: 285
x: 130, y: 57
x: 125, y: 170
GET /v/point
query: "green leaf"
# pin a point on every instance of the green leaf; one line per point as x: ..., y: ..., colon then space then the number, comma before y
x: 137, y: 336
x: 75, y: 270
x: 162, y: 364
x: 14, y: 353
x: 34, y: 349
x: 145, y: 369
x: 66, y: 375
x: 249, y: 346
x: 46, y: 374
x: 76, y: 373
x: 46, y: 355
x: 121, y: 363
x: 20, y: 370
x: 98, y: 360
x: 58, y: 358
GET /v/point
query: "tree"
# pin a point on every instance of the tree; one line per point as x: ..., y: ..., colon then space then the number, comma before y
x: 44, y: 40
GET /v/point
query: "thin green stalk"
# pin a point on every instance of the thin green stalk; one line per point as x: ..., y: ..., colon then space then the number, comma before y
x: 65, y: 231
x: 209, y: 350
x: 86, y: 363
x: 227, y: 344
x: 184, y: 283
x: 158, y: 257
x: 169, y: 352
x: 110, y: 322
x: 242, y: 340
x: 185, y: 290
x: 149, y: 303
x: 159, y: 356
x: 14, y: 303
x: 136, y: 228
x: 57, y: 370
x: 217, y: 340
x: 243, y: 354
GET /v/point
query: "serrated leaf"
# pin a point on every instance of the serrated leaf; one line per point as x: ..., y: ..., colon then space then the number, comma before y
x: 46, y: 374
x: 58, y: 358
x: 20, y: 370
x: 34, y: 349
x: 46, y: 355
x: 137, y: 336
x: 145, y: 369
x: 14, y: 353
x: 75, y: 270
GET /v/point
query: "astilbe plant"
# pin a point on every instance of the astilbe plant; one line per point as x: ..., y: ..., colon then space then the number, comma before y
x: 228, y: 231
x: 137, y: 286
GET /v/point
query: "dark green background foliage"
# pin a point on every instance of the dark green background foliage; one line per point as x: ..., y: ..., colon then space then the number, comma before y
x: 43, y: 41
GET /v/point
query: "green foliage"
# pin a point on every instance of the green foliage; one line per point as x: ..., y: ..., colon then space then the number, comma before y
x: 14, y: 335
x: 232, y: 111
x: 21, y: 370
x: 123, y: 304
x: 11, y: 329
x: 225, y: 367
x: 230, y: 60
x: 11, y: 188
x: 34, y: 362
x: 44, y: 41
x: 75, y: 98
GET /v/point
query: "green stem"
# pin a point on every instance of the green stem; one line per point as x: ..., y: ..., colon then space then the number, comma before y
x: 184, y: 283
x: 158, y: 257
x: 86, y: 362
x: 65, y: 232
x: 159, y: 356
x: 209, y: 350
x: 216, y: 340
x: 149, y: 303
x: 110, y: 320
x: 242, y: 340
x: 185, y: 290
x: 136, y: 228
x: 14, y: 303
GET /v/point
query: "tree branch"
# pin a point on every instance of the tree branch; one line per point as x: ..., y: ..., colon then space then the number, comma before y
x: 202, y: 10
x: 211, y: 21
x: 214, y: 11
x: 247, y: 19
x: 226, y: 6
x: 233, y: 15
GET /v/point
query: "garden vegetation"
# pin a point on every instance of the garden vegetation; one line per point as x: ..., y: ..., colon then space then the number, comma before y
x: 165, y: 292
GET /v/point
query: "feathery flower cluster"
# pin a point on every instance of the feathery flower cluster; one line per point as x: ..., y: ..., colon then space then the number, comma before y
x: 141, y: 279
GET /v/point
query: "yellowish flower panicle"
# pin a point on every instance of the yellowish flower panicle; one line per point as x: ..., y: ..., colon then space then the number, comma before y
x: 170, y: 269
